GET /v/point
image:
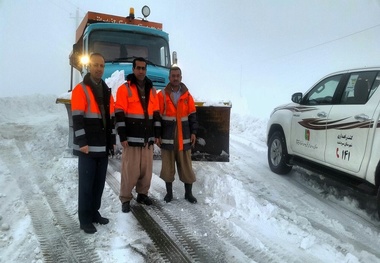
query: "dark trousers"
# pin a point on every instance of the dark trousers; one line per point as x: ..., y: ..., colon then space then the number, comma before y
x: 92, y: 177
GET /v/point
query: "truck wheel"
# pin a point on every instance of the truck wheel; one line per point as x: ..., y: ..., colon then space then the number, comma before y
x: 278, y: 154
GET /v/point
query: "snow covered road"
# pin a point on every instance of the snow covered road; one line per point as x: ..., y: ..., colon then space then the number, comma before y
x: 244, y: 211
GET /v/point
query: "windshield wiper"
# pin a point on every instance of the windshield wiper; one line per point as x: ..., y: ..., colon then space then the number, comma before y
x: 123, y: 59
x: 130, y: 59
x: 150, y: 63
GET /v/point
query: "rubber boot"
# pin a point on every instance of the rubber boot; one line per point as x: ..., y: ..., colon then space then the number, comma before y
x: 188, y: 194
x: 169, y: 192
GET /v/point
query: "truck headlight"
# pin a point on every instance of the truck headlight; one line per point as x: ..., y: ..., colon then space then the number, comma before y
x: 84, y: 60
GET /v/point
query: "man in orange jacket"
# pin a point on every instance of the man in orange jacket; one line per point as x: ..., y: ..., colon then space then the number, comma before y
x: 178, y: 134
x: 138, y: 125
x: 92, y: 107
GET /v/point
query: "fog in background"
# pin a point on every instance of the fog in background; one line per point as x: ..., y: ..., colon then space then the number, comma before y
x: 256, y: 53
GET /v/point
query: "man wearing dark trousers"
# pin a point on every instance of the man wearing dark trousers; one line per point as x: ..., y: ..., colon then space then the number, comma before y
x: 92, y: 106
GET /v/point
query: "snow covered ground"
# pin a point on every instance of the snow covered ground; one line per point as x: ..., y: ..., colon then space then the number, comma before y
x: 292, y: 218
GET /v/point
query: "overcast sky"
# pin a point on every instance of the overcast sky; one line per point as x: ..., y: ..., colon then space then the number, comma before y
x: 254, y: 53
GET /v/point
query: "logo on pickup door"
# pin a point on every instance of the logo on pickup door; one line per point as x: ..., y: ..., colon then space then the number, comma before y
x: 307, y: 135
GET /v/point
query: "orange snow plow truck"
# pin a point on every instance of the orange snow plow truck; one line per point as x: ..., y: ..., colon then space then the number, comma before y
x: 120, y: 40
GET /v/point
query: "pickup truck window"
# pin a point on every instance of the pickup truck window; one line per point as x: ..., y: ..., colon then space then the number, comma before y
x: 323, y: 92
x: 357, y: 90
x: 375, y: 85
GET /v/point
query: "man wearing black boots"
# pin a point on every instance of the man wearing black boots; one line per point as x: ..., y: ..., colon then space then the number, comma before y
x: 92, y: 108
x: 178, y: 134
x: 138, y: 125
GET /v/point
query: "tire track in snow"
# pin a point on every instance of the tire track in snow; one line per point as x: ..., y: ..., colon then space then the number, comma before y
x: 57, y: 231
x: 188, y: 224
x: 167, y: 232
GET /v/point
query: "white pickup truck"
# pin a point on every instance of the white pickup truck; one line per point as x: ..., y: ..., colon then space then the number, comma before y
x: 334, y: 126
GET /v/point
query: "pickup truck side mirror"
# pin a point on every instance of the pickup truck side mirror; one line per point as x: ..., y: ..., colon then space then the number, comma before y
x: 297, y: 97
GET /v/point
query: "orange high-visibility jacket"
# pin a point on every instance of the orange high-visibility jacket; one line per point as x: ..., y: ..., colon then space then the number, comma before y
x: 134, y: 123
x: 181, y: 118
x: 88, y: 125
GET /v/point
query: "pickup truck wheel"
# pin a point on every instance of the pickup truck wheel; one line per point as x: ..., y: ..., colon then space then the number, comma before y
x: 278, y: 154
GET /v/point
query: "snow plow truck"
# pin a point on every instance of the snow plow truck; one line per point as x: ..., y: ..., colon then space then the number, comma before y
x: 120, y: 40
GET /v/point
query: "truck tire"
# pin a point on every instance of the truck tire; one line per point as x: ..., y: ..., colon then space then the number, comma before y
x: 278, y: 154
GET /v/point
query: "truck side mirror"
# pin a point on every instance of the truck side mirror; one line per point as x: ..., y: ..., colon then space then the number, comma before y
x: 75, y: 57
x: 297, y: 97
x: 175, y: 59
x: 76, y: 48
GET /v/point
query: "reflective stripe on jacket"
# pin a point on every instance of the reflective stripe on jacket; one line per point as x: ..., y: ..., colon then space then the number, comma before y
x: 181, y: 118
x: 89, y: 128
x: 135, y: 124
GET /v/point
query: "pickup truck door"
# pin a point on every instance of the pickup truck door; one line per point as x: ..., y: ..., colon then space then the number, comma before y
x: 308, y: 130
x: 350, y: 121
x: 308, y: 135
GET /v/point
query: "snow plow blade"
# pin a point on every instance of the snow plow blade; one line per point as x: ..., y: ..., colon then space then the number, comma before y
x: 67, y: 103
x: 213, y: 138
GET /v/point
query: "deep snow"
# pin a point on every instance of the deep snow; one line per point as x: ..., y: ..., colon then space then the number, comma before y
x: 279, y: 218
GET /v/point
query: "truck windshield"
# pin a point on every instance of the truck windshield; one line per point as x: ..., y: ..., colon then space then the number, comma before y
x: 120, y: 46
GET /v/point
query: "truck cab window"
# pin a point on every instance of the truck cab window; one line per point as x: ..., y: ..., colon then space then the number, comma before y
x: 121, y: 45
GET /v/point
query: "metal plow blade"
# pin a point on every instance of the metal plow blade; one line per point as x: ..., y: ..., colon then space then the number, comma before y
x: 213, y: 138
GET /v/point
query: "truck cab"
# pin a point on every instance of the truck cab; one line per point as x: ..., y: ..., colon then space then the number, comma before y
x: 120, y: 40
